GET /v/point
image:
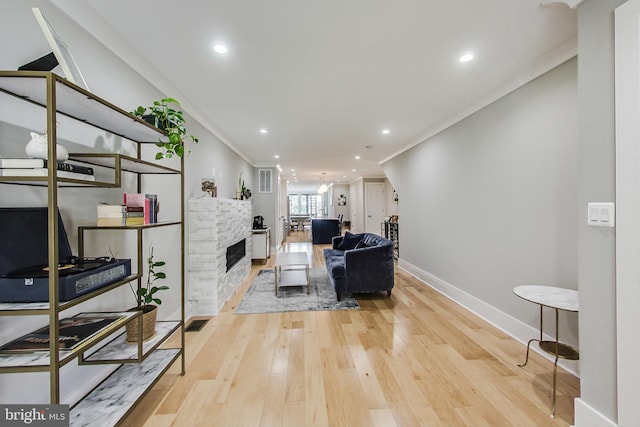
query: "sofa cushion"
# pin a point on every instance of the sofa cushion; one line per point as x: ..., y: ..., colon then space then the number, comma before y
x: 349, y: 241
x: 335, y: 266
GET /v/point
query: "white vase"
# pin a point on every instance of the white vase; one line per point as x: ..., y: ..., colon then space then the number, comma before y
x: 37, y: 148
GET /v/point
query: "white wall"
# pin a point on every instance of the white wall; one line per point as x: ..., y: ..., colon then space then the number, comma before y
x: 490, y: 203
x: 266, y: 204
x: 596, y: 246
x: 107, y: 76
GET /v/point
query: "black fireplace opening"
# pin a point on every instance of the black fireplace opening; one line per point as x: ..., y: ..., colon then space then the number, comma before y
x: 235, y: 253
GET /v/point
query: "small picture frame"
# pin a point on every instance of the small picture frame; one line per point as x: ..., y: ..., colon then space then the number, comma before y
x: 209, y: 186
x: 342, y: 200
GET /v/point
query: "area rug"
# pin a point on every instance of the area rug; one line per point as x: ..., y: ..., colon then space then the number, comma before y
x: 261, y: 297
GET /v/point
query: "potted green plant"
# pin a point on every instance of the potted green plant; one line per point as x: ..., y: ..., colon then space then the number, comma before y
x: 242, y: 193
x: 147, y: 301
x: 166, y: 114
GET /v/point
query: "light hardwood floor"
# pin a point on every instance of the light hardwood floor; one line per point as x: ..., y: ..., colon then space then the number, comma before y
x: 415, y: 359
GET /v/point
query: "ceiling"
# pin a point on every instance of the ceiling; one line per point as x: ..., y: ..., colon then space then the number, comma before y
x: 324, y: 78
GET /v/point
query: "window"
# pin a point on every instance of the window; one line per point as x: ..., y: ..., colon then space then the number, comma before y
x: 305, y: 204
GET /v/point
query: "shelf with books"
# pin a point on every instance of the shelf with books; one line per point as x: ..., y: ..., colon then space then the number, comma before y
x: 83, y: 331
x: 60, y: 99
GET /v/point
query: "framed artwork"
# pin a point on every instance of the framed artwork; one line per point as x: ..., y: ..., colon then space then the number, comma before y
x: 60, y: 50
x: 342, y: 200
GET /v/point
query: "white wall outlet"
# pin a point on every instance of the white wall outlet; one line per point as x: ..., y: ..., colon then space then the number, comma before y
x: 601, y: 214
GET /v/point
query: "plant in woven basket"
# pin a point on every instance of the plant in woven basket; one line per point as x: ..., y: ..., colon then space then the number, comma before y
x: 147, y: 300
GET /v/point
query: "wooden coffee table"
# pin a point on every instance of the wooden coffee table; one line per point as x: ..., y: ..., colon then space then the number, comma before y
x: 293, y: 273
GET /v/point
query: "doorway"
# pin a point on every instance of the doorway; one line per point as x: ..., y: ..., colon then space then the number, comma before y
x: 374, y: 211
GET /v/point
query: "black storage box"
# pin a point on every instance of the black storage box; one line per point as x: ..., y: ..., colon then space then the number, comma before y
x: 24, y: 246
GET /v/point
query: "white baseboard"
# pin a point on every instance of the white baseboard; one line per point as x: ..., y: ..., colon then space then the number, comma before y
x: 586, y: 416
x: 508, y: 324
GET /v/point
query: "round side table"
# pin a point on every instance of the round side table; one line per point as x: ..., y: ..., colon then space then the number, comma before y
x: 557, y: 299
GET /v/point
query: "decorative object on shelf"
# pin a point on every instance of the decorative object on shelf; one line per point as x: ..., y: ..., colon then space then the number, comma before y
x: 163, y: 115
x: 243, y: 193
x: 209, y: 186
x: 146, y: 296
x: 37, y: 148
x: 61, y: 54
x: 342, y: 200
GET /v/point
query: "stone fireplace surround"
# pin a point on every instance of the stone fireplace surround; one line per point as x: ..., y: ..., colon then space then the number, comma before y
x: 214, y: 225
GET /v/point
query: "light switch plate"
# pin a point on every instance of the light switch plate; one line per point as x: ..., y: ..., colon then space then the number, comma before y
x: 601, y: 214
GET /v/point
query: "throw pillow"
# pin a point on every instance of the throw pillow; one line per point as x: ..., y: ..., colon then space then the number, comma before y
x: 362, y: 244
x: 349, y: 241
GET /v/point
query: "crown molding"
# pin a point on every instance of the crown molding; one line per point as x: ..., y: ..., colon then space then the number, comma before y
x: 571, y: 3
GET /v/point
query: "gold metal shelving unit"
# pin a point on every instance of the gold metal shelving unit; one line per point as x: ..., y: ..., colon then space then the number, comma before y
x: 57, y: 96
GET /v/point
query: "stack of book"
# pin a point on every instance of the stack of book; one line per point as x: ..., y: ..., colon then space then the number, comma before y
x: 148, y: 203
x: 38, y: 167
x: 119, y: 215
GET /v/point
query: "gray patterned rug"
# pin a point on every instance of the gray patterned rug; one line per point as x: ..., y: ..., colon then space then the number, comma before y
x: 261, y: 297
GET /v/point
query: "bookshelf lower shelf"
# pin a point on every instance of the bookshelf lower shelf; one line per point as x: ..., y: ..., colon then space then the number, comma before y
x: 114, y: 398
x: 121, y: 351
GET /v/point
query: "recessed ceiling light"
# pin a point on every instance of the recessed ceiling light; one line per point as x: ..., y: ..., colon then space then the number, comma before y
x: 466, y: 57
x: 357, y: 157
x: 353, y: 170
x: 276, y: 156
x: 293, y: 170
x: 385, y: 131
x: 220, y: 48
x: 263, y: 130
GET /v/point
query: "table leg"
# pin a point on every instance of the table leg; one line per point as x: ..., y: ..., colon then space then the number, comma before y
x: 526, y: 360
x: 306, y: 269
x: 275, y: 276
x: 555, y: 370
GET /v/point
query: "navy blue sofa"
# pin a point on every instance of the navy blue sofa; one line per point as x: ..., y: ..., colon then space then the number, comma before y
x: 360, y: 263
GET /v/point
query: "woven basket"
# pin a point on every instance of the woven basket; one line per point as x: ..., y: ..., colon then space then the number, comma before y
x: 150, y: 312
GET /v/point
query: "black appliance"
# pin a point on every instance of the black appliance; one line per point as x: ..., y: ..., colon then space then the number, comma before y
x: 24, y: 260
x: 258, y: 222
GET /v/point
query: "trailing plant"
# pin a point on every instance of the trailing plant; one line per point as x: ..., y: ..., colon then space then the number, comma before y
x: 146, y: 294
x: 166, y: 114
